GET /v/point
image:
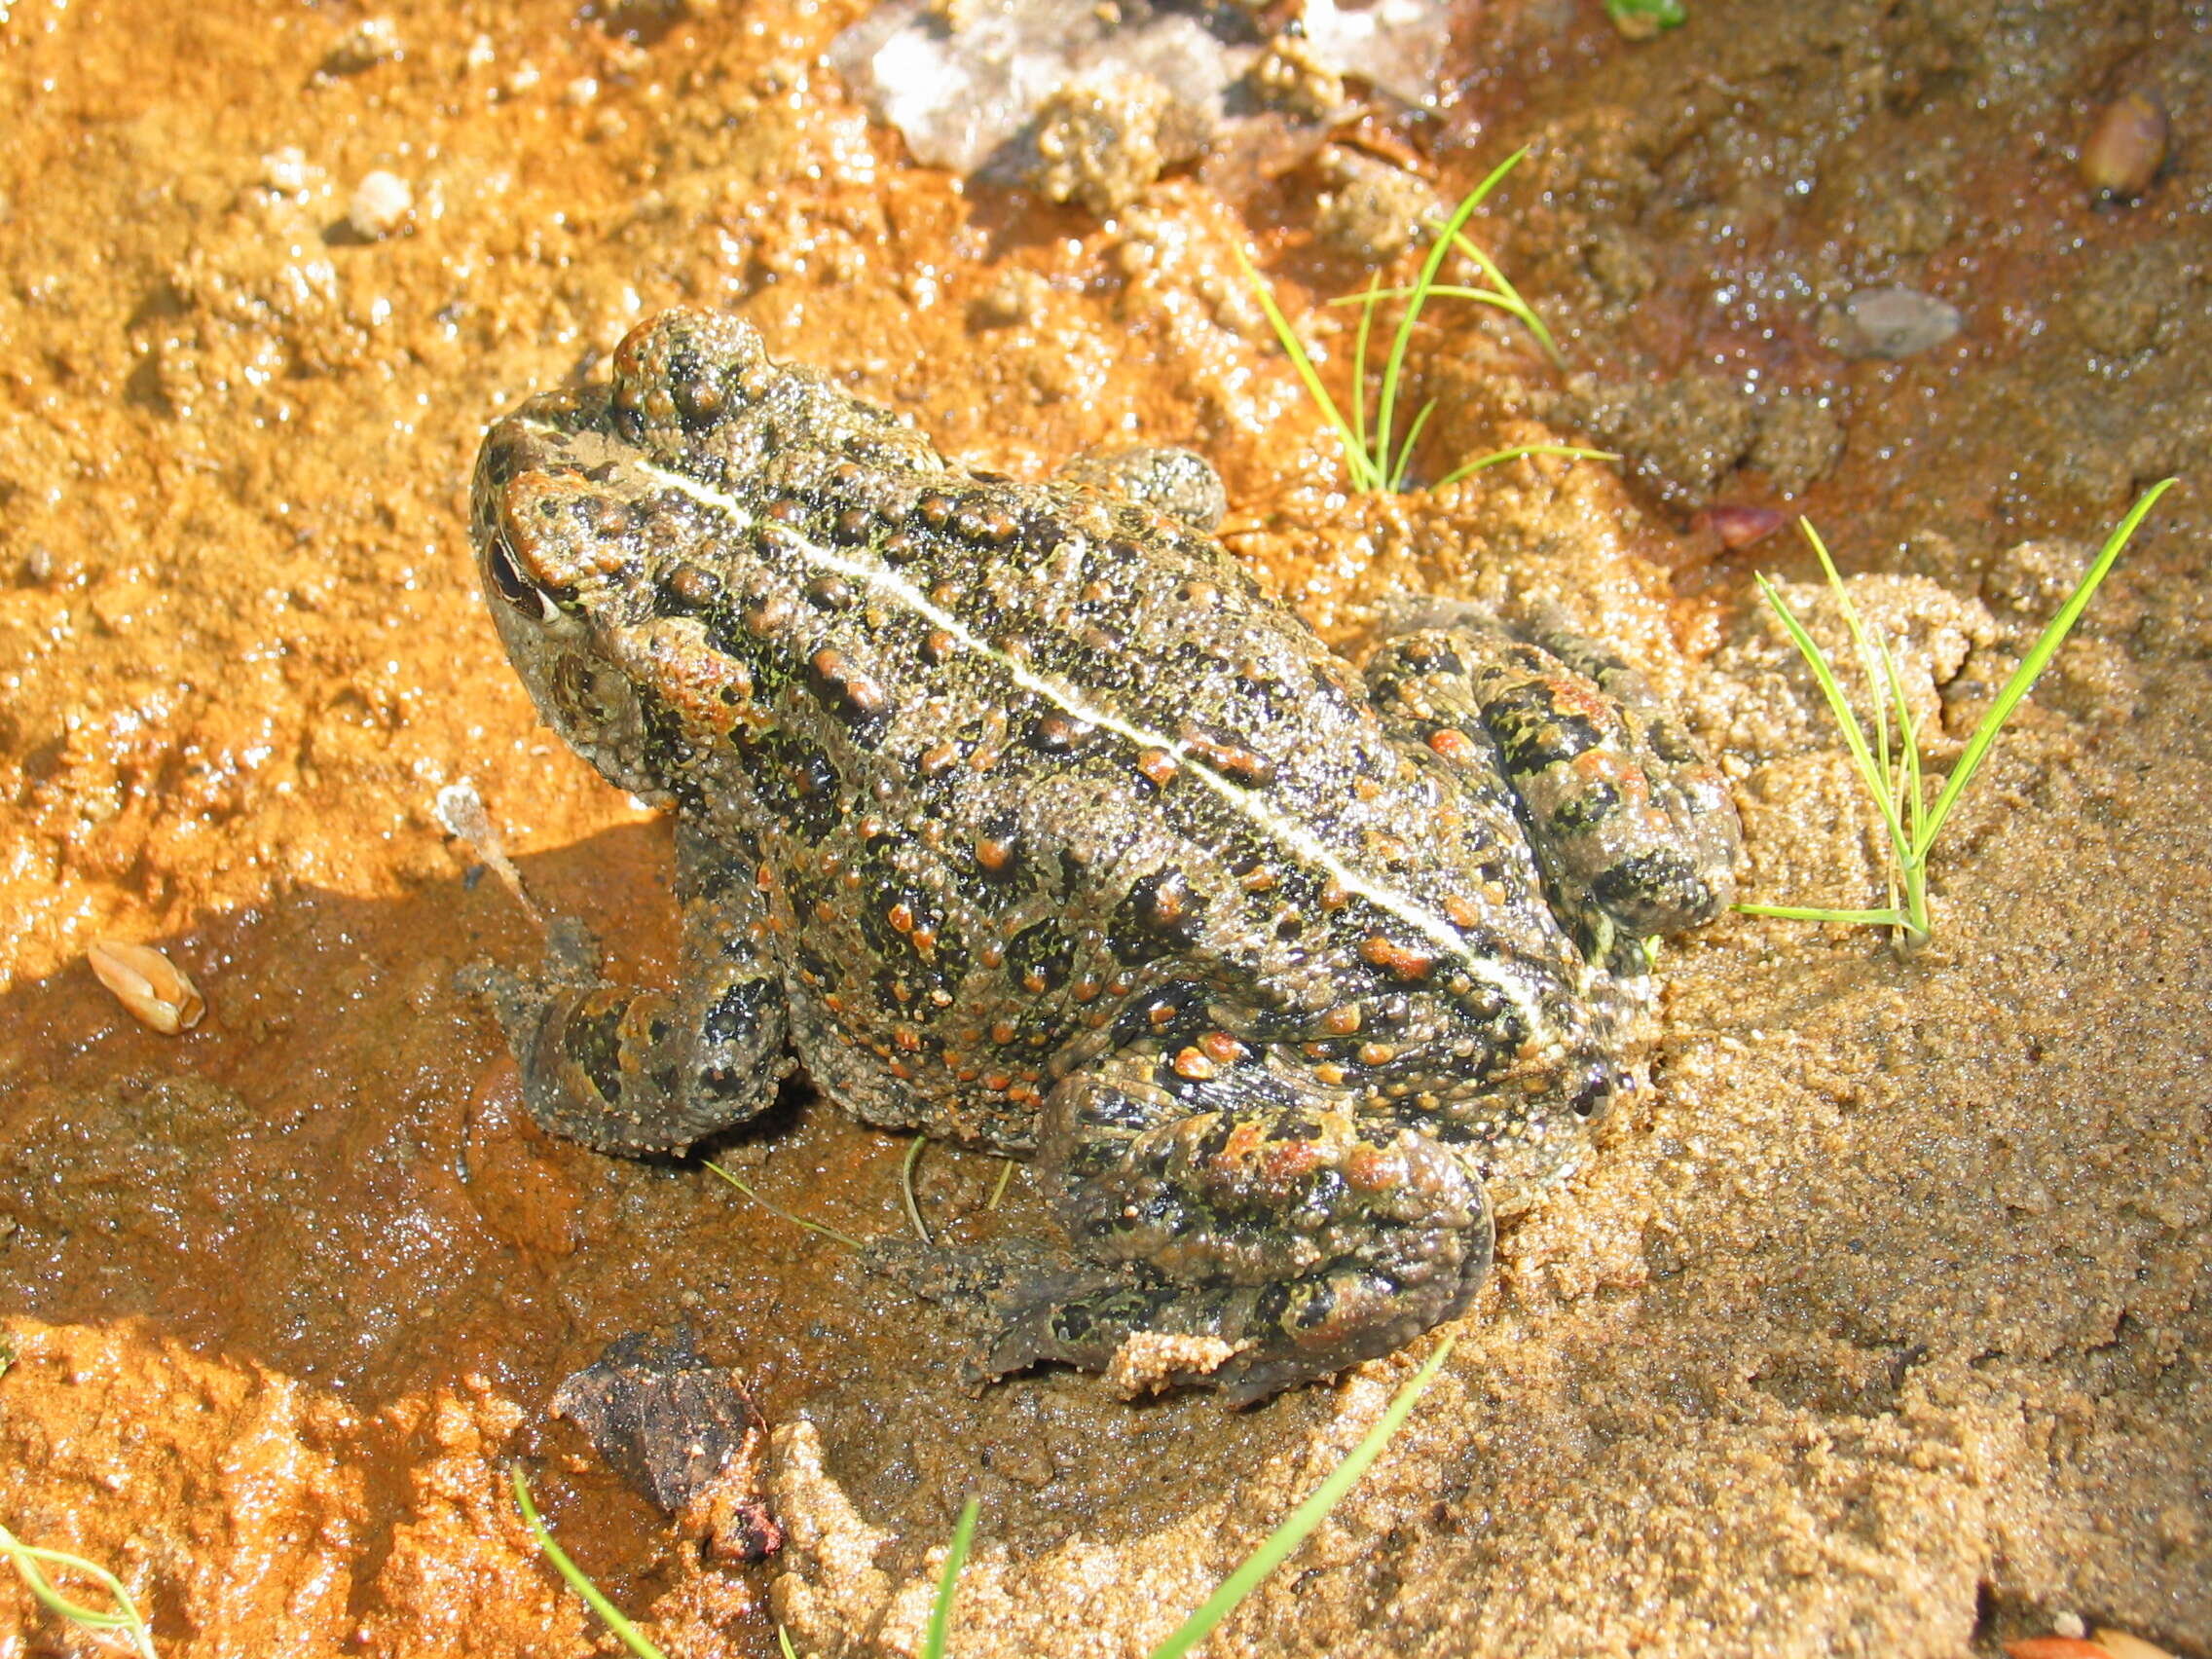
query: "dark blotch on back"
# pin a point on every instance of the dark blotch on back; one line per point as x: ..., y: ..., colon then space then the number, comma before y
x: 1534, y: 732
x: 1160, y: 915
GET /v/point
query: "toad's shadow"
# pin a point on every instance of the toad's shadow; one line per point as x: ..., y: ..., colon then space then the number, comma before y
x: 332, y: 1175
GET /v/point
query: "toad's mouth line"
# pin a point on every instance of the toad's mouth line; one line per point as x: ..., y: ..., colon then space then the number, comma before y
x: 1300, y: 842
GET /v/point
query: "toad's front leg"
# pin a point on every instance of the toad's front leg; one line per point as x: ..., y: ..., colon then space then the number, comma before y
x: 1251, y: 1209
x: 632, y: 1071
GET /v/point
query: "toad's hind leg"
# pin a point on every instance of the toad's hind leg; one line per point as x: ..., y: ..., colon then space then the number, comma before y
x: 1635, y: 832
x: 632, y: 1071
x: 1290, y: 1235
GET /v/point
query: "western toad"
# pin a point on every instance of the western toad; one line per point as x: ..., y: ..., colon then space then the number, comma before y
x: 1018, y: 815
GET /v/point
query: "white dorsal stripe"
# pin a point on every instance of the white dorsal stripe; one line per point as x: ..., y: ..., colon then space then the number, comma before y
x: 1291, y: 835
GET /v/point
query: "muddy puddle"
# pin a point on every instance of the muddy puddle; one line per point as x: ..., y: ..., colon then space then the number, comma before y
x: 1878, y: 1328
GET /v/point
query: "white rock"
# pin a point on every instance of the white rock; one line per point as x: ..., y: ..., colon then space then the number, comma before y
x: 380, y: 205
x: 1891, y: 322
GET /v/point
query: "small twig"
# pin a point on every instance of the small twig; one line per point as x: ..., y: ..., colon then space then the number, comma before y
x: 906, y: 1188
x: 459, y: 812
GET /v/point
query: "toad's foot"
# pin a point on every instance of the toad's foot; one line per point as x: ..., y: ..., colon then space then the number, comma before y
x: 1256, y: 1239
x: 1635, y: 832
x: 632, y: 1071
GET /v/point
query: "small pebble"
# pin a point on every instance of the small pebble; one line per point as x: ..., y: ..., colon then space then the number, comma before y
x: 1290, y: 76
x: 286, y: 170
x: 1740, y: 527
x: 368, y: 43
x: 1102, y: 139
x: 379, y: 205
x: 1892, y: 322
x: 156, y: 990
x: 1015, y: 295
x: 2127, y: 147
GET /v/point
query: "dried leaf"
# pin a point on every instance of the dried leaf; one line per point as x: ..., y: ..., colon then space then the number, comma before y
x: 2121, y: 1645
x: 156, y: 990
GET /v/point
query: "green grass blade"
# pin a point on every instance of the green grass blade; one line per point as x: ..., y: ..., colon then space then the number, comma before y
x: 1912, y: 808
x: 947, y: 1583
x: 1499, y: 458
x: 1871, y: 658
x: 1508, y: 297
x: 1405, y: 451
x: 1359, y: 368
x: 1664, y: 14
x: 1385, y: 409
x: 2037, y: 660
x: 777, y: 1210
x: 1879, y: 671
x: 1902, y: 767
x: 1884, y: 687
x: 29, y: 1559
x: 1440, y: 291
x: 1508, y: 300
x: 784, y: 1643
x: 1364, y: 476
x: 632, y: 1637
x: 1839, y: 706
x: 1308, y: 1515
x: 1889, y: 918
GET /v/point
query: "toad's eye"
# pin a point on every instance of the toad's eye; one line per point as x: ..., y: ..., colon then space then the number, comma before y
x: 517, y: 589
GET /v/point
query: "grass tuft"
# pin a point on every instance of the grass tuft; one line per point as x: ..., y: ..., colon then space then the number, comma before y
x: 1274, y: 1550
x: 124, y: 1618
x: 1379, y: 457
x: 1887, y: 758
